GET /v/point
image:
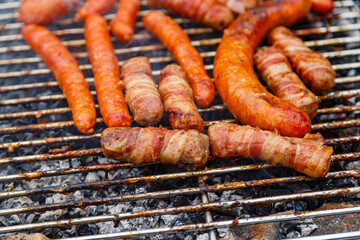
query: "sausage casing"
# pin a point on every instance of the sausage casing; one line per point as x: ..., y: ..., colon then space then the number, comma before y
x: 141, y: 95
x: 93, y: 7
x: 179, y: 45
x: 276, y: 71
x: 308, y: 155
x: 106, y: 72
x: 315, y: 70
x: 155, y: 145
x: 322, y: 6
x: 66, y: 72
x: 178, y: 99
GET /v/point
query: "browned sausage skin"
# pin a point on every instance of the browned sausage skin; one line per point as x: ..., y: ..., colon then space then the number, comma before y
x: 93, y: 7
x: 66, y: 72
x: 106, y: 72
x: 308, y: 155
x: 236, y: 81
x: 178, y: 99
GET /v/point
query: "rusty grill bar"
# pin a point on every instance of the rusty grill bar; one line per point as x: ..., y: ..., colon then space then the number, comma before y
x: 336, y: 40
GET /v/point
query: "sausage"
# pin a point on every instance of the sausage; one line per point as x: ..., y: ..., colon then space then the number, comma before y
x: 322, y: 6
x: 44, y: 11
x: 179, y: 45
x: 178, y: 99
x: 315, y: 70
x: 234, y: 76
x: 308, y: 155
x: 276, y: 71
x: 66, y: 72
x: 122, y: 25
x: 92, y: 7
x: 106, y: 72
x: 209, y: 12
x: 238, y: 6
x: 142, y: 96
x: 155, y: 145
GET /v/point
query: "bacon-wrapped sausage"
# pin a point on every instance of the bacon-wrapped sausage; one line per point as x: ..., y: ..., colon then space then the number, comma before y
x: 238, y: 6
x: 155, y: 145
x: 209, y: 12
x: 106, y: 72
x: 236, y: 81
x: 141, y: 95
x: 308, y: 155
x: 122, y: 25
x: 44, y: 11
x: 93, y: 7
x: 178, y: 99
x: 67, y: 73
x: 315, y: 70
x: 276, y: 71
x: 322, y: 6
x: 179, y: 45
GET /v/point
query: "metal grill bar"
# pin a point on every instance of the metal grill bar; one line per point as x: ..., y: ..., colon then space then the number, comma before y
x: 341, y: 236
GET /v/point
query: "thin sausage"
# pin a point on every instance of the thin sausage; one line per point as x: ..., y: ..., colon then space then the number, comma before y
x: 142, y: 95
x: 276, y: 71
x: 155, y: 145
x: 93, y: 7
x: 236, y: 80
x: 209, y: 12
x: 106, y: 72
x: 122, y: 25
x: 178, y: 99
x: 179, y: 45
x: 66, y: 72
x: 308, y: 155
x: 315, y: 70
x: 322, y: 6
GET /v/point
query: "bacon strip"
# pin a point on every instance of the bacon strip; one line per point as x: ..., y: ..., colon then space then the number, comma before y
x: 209, y: 12
x: 106, y: 72
x: 142, y: 95
x: 66, y: 72
x: 276, y: 71
x: 238, y: 6
x: 179, y: 45
x: 122, y: 25
x: 308, y: 155
x: 44, y: 11
x: 178, y: 99
x: 234, y: 76
x: 155, y: 145
x: 315, y: 70
x: 93, y: 7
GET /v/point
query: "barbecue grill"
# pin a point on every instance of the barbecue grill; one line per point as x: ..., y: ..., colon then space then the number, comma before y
x: 56, y: 181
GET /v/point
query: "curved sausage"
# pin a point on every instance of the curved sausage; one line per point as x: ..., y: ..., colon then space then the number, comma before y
x: 276, y: 71
x: 322, y: 6
x: 44, y: 11
x: 179, y: 45
x: 106, y: 72
x: 308, y: 155
x: 178, y: 99
x: 92, y: 7
x: 315, y: 70
x: 142, y: 96
x: 122, y: 25
x: 209, y: 12
x: 155, y: 145
x: 66, y: 72
x: 236, y: 81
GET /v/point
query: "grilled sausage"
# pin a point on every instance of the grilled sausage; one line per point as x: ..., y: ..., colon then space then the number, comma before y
x: 322, y: 6
x: 122, y: 25
x: 209, y: 12
x: 276, y: 71
x: 67, y: 73
x: 236, y: 81
x: 238, y: 6
x: 308, y: 155
x: 155, y: 145
x: 92, y: 7
x: 142, y: 96
x: 179, y: 45
x: 106, y: 72
x: 178, y: 99
x: 44, y: 11
x: 315, y: 70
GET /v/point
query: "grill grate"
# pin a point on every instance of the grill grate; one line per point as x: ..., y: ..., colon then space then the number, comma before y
x: 34, y: 118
